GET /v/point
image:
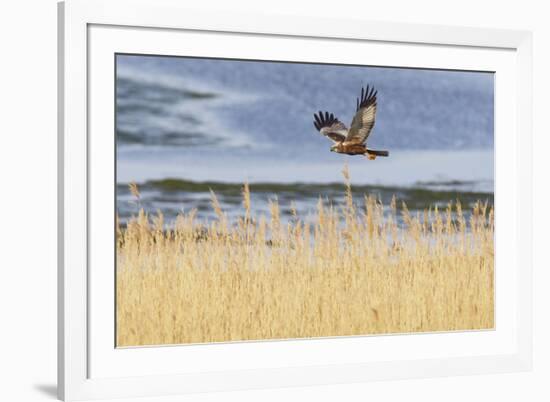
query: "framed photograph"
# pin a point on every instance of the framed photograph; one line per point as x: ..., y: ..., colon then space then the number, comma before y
x: 253, y: 201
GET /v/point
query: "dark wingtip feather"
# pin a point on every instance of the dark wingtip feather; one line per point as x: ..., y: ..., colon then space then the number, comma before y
x: 368, y: 97
x: 323, y: 119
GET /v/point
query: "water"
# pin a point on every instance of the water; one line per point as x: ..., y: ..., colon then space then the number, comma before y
x: 183, y: 121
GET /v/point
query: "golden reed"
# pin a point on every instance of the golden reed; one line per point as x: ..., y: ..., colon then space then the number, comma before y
x: 353, y: 271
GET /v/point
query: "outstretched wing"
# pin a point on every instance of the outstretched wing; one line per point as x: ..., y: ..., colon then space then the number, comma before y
x: 330, y: 126
x: 363, y: 121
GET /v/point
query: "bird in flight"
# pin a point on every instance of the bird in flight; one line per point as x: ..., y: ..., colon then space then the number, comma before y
x: 352, y: 141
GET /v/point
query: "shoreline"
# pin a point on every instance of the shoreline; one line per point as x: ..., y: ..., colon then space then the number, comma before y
x: 403, y: 167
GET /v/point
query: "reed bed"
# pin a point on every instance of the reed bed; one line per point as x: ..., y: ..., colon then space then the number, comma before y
x: 353, y: 271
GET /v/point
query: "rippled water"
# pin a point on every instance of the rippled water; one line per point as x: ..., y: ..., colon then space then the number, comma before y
x: 225, y: 122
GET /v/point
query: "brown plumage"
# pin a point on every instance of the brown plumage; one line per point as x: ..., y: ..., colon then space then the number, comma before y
x: 352, y: 141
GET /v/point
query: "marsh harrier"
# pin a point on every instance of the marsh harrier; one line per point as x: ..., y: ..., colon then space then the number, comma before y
x: 352, y: 141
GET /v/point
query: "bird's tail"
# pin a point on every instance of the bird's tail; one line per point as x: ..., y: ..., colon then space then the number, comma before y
x: 378, y: 153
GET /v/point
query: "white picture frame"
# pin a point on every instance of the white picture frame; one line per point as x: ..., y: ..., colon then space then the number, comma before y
x: 89, y: 366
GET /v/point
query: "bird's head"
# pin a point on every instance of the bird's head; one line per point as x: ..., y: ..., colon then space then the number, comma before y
x: 333, y: 148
